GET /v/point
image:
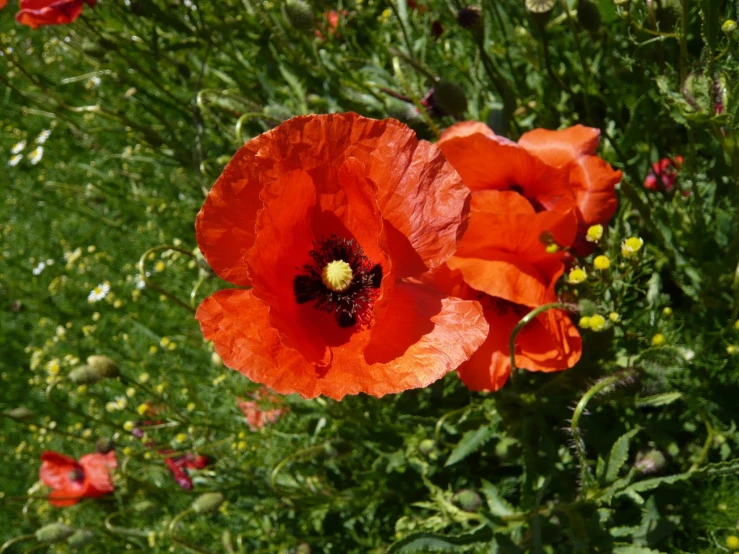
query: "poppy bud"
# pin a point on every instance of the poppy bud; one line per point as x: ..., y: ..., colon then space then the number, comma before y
x: 426, y: 446
x: 83, y: 375
x: 20, y: 413
x: 650, y: 462
x: 540, y: 10
x: 450, y: 97
x: 403, y: 112
x: 144, y: 506
x: 470, y: 18
x: 54, y: 532
x: 588, y: 15
x: 587, y: 307
x: 103, y: 367
x: 80, y: 539
x: 298, y: 14
x: 207, y: 503
x: 728, y: 26
x: 104, y: 445
x: 468, y: 500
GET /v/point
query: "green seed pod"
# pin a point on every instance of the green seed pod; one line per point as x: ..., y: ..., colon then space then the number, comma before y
x: 54, y: 532
x: 450, y: 97
x: 19, y: 414
x: 104, y: 445
x: 80, y: 539
x: 103, y: 366
x: 468, y: 500
x: 298, y: 14
x: 403, y: 112
x: 207, y: 503
x: 539, y: 11
x: 588, y: 15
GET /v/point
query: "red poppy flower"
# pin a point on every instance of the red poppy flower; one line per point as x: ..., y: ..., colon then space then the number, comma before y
x: 71, y: 480
x: 333, y: 18
x: 36, y: 13
x: 326, y: 217
x: 179, y: 465
x: 553, y: 169
x: 2, y: 3
x: 664, y: 171
x: 257, y: 411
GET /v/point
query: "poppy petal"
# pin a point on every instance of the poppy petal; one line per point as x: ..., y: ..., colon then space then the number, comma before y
x: 447, y: 331
x: 560, y: 148
x: 594, y: 182
x: 56, y: 468
x: 62, y: 497
x: 36, y: 13
x: 97, y: 468
x: 477, y: 157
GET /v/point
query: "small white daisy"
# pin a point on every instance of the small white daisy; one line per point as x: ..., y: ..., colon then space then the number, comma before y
x: 140, y: 283
x: 35, y: 156
x: 15, y: 160
x: 18, y: 147
x: 39, y: 268
x: 99, y: 292
x: 43, y: 136
x: 93, y: 82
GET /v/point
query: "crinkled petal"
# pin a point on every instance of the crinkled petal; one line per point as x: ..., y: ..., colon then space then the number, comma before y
x: 594, y: 182
x: 429, y: 334
x: 56, y: 468
x: 36, y: 13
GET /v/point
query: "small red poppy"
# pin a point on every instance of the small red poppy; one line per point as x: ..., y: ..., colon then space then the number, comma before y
x: 72, y: 481
x: 664, y: 171
x: 36, y: 13
x: 326, y: 217
x: 261, y: 410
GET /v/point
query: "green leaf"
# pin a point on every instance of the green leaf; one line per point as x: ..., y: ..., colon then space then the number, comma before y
x: 619, y: 454
x: 433, y: 542
x: 470, y: 443
x: 659, y: 399
x: 496, y: 503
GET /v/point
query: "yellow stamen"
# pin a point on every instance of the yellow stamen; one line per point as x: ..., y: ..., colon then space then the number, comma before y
x: 337, y: 275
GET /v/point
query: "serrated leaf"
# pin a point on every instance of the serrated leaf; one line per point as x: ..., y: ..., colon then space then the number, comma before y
x: 619, y: 454
x: 659, y: 399
x: 497, y: 505
x: 649, y: 484
x: 634, y: 550
x: 418, y: 543
x: 471, y: 441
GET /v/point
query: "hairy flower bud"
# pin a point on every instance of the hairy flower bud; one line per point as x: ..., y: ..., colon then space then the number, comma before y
x: 298, y: 14
x: 80, y: 539
x: 104, y: 445
x: 450, y: 97
x: 207, y: 503
x: 103, y: 366
x: 54, y: 532
x: 20, y: 413
x: 588, y: 15
x: 468, y: 500
x: 426, y: 446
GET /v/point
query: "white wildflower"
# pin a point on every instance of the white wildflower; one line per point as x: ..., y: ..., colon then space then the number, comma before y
x: 39, y: 268
x: 43, y: 136
x: 18, y: 147
x: 99, y: 292
x: 35, y: 156
x: 15, y: 160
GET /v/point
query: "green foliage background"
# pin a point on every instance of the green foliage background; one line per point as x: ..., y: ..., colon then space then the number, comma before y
x: 146, y: 101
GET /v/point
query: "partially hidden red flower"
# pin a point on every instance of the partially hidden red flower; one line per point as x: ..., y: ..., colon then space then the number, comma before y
x: 36, y: 13
x: 2, y: 3
x: 326, y: 217
x: 333, y: 18
x: 72, y: 481
x: 540, y: 192
x: 262, y: 409
x: 416, y: 6
x: 665, y: 172
x: 178, y: 466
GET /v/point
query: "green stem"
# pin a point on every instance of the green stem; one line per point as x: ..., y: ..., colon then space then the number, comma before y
x: 179, y: 541
x: 8, y: 544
